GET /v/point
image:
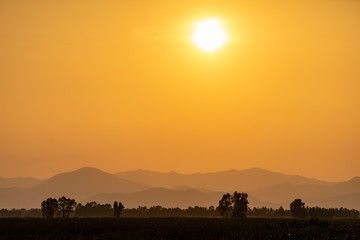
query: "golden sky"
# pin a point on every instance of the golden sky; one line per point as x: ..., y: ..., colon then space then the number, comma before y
x: 119, y: 85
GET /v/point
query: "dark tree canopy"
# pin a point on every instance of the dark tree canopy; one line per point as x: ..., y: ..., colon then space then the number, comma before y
x: 93, y: 209
x: 240, y: 205
x: 49, y: 207
x: 234, y: 206
x: 318, y: 212
x: 225, y: 206
x: 66, y: 206
x: 118, y: 207
x: 297, y: 209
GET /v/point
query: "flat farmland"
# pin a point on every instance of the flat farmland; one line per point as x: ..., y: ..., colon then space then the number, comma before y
x: 177, y: 228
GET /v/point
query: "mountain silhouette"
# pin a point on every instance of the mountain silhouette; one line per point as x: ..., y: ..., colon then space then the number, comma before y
x: 351, y: 201
x: 285, y: 193
x: 231, y: 180
x: 134, y: 188
x: 86, y: 182
x: 78, y: 184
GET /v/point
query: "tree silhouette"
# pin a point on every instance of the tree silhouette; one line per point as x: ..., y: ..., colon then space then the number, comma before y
x: 234, y: 206
x: 279, y: 212
x: 225, y: 206
x: 49, y: 207
x: 118, y: 207
x: 240, y: 205
x: 66, y: 206
x: 93, y: 209
x: 297, y: 209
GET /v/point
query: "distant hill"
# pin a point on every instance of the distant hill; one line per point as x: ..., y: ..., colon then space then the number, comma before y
x: 78, y: 184
x: 338, y: 194
x: 169, y: 198
x: 351, y: 201
x: 240, y: 180
x: 19, y: 182
x: 86, y: 182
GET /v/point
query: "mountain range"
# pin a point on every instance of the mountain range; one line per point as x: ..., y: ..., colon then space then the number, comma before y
x: 147, y: 188
x: 231, y: 180
x: 342, y: 194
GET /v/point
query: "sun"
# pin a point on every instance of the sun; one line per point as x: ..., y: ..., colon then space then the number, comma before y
x: 209, y: 35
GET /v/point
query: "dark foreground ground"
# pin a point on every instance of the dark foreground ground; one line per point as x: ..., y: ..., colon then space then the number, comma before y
x: 177, y: 228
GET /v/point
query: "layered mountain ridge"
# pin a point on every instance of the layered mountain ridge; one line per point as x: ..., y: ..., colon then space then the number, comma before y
x: 147, y: 188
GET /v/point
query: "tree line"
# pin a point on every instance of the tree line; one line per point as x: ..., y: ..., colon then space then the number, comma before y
x: 230, y: 206
x: 236, y: 206
x: 65, y: 206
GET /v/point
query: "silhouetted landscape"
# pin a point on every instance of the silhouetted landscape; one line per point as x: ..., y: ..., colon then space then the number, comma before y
x: 145, y: 188
x: 179, y: 206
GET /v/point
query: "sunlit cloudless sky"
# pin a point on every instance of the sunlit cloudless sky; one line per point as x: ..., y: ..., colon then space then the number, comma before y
x: 119, y: 85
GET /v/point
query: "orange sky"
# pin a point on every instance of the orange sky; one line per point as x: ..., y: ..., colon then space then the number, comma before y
x: 119, y: 85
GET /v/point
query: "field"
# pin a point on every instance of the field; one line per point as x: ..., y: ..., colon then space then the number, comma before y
x: 177, y: 228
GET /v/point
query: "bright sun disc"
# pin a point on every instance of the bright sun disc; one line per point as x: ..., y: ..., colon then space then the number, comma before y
x: 209, y: 35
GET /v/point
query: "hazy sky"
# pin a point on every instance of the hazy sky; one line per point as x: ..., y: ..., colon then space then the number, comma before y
x: 119, y: 85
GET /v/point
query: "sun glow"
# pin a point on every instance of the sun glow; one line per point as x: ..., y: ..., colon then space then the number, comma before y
x: 209, y: 35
